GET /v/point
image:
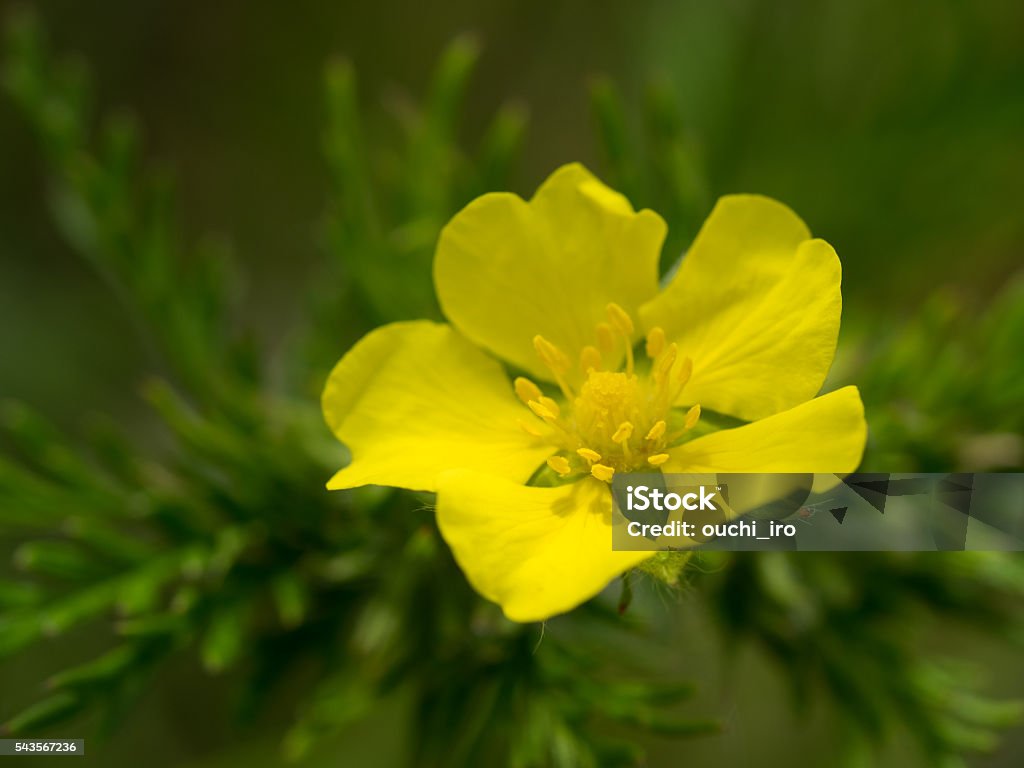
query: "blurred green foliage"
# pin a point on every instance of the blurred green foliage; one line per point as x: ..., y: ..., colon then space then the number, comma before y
x: 219, y: 540
x: 845, y: 621
x: 964, y: 411
x: 388, y: 204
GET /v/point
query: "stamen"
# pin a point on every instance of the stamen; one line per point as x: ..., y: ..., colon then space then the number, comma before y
x: 550, y: 355
x: 602, y: 472
x: 620, y: 319
x: 590, y: 359
x: 542, y: 412
x: 657, y: 431
x: 692, y: 415
x: 658, y: 459
x: 682, y: 377
x: 623, y: 433
x: 550, y: 404
x: 685, y: 372
x: 560, y: 464
x: 529, y: 428
x: 623, y: 323
x: 555, y: 359
x: 655, y: 342
x: 664, y: 365
x: 526, y: 390
x: 589, y: 455
x: 605, y: 337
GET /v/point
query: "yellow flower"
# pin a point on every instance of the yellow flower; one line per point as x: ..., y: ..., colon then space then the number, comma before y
x: 562, y: 288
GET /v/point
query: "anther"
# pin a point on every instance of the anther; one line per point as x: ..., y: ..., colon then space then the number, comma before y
x: 655, y: 342
x: 668, y: 359
x: 589, y: 455
x: 590, y: 359
x: 692, y: 415
x: 658, y: 459
x: 550, y: 404
x: 550, y: 355
x: 623, y: 323
x: 685, y: 371
x: 542, y: 411
x: 682, y: 377
x: 602, y: 472
x: 560, y: 464
x: 605, y: 337
x: 620, y: 319
x: 623, y: 433
x: 657, y: 431
x: 556, y: 360
x: 529, y: 428
x: 526, y: 390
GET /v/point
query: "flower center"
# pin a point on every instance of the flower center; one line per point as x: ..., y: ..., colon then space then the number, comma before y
x: 616, y: 420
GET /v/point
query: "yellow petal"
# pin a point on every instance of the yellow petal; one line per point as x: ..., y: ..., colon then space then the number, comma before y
x: 756, y: 305
x: 507, y: 270
x: 413, y: 399
x: 536, y: 552
x: 823, y: 435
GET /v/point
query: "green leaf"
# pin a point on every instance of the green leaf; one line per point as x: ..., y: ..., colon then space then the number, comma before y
x: 224, y: 638
x: 98, y: 671
x: 43, y: 714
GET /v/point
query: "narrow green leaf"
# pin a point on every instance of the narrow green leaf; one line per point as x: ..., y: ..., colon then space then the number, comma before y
x: 449, y: 85
x: 97, y: 671
x: 610, y: 115
x: 19, y: 594
x: 225, y: 638
x: 47, y: 712
x: 291, y: 598
x: 499, y: 148
x: 56, y: 558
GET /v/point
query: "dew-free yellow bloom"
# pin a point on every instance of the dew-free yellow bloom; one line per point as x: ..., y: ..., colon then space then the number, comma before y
x: 563, y: 288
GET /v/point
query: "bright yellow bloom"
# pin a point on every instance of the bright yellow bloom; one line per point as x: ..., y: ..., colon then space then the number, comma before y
x: 562, y: 288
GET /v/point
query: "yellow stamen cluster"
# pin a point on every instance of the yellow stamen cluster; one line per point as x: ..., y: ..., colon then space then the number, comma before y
x: 615, y: 420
